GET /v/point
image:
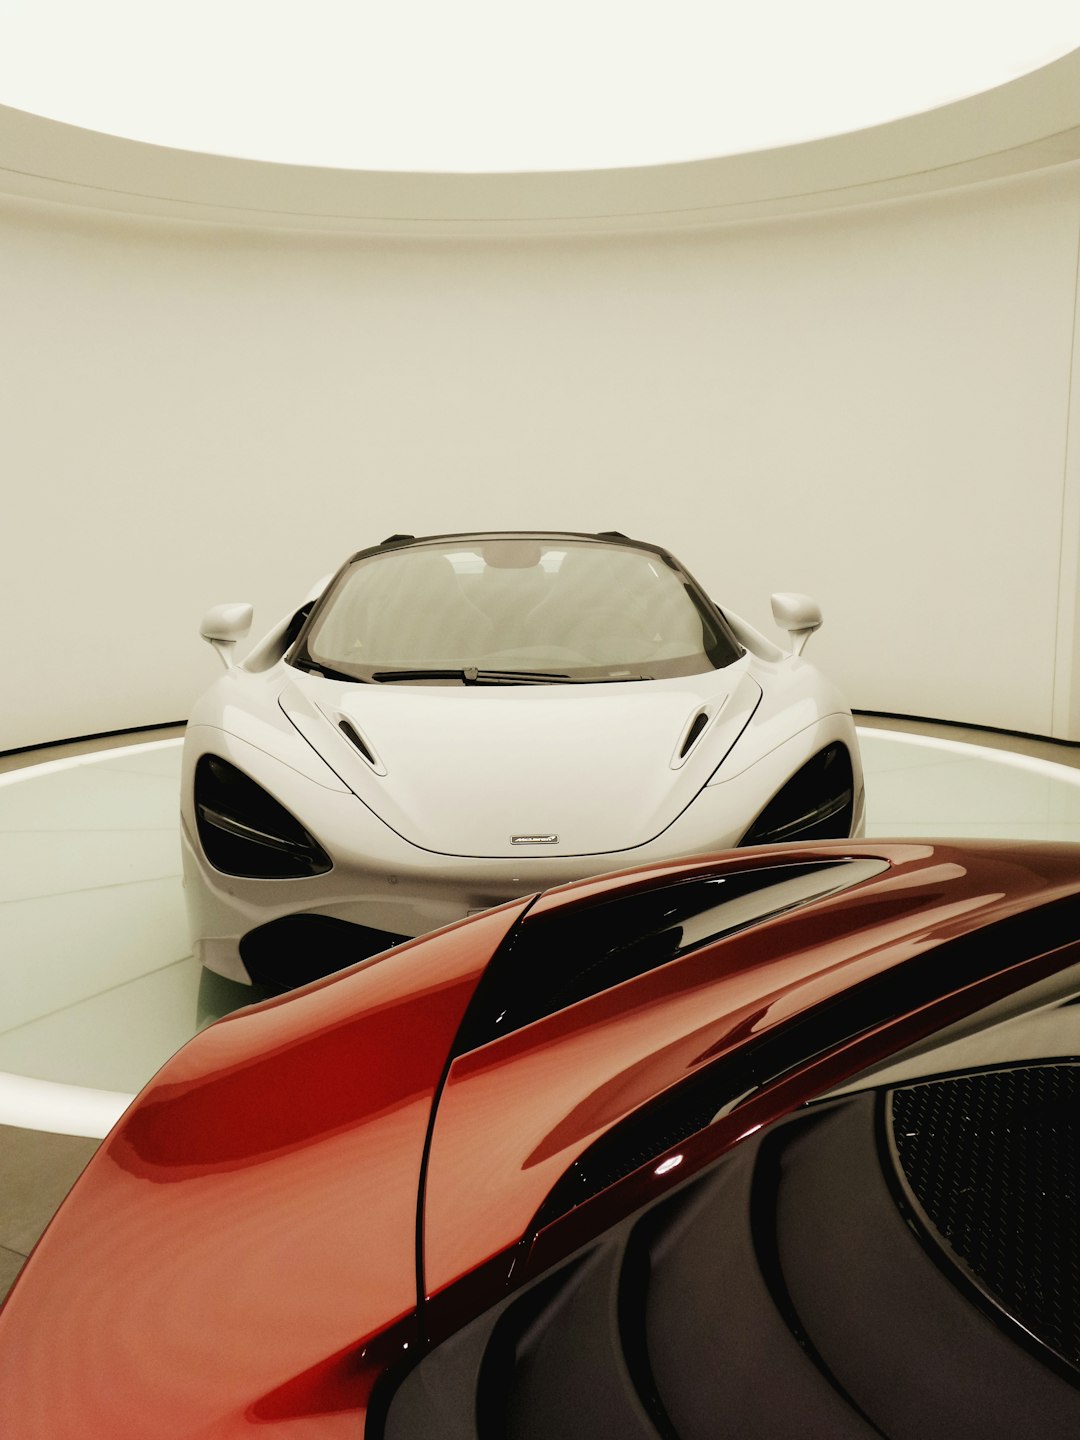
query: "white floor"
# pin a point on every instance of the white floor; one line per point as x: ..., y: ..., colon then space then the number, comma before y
x: 97, y: 986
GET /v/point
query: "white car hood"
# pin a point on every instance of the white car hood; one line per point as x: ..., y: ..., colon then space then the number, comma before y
x: 469, y: 768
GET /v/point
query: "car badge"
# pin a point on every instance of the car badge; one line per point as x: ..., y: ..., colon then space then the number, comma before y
x: 534, y: 839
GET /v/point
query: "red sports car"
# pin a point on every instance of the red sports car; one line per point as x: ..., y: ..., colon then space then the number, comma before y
x: 781, y: 1143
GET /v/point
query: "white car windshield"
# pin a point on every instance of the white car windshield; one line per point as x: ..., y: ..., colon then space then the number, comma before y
x: 500, y: 609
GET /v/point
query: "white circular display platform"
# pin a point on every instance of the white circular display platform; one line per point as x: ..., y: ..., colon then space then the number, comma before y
x: 97, y: 984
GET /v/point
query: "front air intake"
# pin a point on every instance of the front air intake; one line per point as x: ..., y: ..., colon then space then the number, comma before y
x: 297, y: 949
x: 245, y: 831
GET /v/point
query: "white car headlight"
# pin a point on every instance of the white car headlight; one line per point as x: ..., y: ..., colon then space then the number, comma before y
x: 245, y: 831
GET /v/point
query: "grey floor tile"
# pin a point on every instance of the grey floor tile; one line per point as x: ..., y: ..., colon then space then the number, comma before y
x: 36, y: 1172
x: 10, y: 1265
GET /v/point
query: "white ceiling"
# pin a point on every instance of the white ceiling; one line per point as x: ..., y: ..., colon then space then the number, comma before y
x: 500, y: 85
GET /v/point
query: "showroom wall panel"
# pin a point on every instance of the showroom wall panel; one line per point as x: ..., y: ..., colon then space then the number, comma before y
x: 871, y: 404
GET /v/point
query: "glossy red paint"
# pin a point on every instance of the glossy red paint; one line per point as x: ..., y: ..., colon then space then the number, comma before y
x: 516, y: 1113
x: 241, y: 1251
x: 542, y: 1247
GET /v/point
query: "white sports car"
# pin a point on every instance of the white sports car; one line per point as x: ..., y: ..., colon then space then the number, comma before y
x: 454, y: 721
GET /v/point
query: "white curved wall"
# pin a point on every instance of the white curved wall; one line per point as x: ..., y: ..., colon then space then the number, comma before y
x: 871, y: 404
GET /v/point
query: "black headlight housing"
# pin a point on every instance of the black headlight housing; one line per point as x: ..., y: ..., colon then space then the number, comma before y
x: 243, y: 830
x: 817, y: 803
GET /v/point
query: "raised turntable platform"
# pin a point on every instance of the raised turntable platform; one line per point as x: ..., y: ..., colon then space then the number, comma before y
x: 97, y: 984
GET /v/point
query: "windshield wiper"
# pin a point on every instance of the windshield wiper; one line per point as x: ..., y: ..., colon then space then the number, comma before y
x: 471, y: 675
x: 325, y: 671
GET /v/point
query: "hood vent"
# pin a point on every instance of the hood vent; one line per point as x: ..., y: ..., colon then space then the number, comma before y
x: 353, y: 735
x: 439, y: 743
x: 700, y: 720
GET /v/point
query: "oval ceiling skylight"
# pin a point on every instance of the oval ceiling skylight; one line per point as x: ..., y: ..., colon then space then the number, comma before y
x: 495, y: 85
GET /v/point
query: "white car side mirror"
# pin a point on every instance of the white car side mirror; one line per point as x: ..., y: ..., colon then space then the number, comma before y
x: 224, y: 625
x: 799, y: 615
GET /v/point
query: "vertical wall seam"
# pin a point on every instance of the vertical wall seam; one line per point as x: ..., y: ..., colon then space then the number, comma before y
x: 1060, y: 723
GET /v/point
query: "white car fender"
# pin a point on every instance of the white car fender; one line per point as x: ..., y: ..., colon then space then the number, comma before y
x: 279, y: 742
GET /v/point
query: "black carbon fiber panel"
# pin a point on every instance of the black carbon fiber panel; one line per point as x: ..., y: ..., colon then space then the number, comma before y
x: 993, y: 1160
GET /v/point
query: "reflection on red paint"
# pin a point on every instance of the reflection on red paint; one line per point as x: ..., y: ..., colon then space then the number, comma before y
x: 341, y: 1384
x: 321, y: 1083
x: 520, y: 1110
x: 250, y: 1225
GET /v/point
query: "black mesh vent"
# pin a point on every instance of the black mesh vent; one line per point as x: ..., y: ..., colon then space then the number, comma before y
x: 994, y: 1161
